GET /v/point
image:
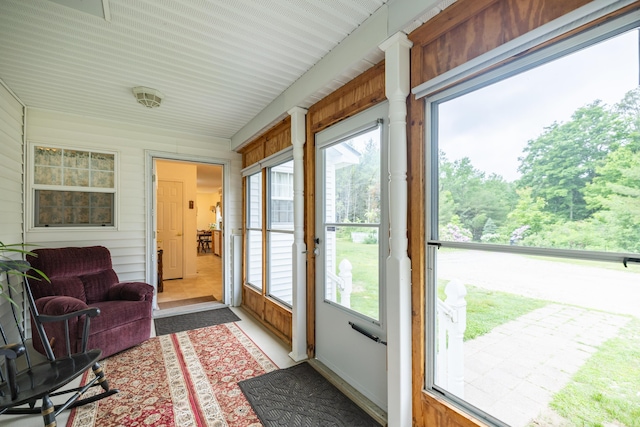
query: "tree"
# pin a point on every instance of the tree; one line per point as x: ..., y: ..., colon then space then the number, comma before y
x: 559, y: 164
x: 468, y: 193
x: 358, y: 187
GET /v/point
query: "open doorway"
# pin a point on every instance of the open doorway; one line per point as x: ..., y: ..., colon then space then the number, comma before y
x: 189, y: 230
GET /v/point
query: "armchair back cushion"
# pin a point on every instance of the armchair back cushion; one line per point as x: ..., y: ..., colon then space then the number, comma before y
x: 84, y: 276
x: 85, y: 273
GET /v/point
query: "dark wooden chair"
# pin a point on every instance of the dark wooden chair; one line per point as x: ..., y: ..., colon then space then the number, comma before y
x: 27, y: 386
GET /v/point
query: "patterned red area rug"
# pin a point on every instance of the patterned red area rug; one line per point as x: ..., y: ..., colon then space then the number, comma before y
x: 184, y: 379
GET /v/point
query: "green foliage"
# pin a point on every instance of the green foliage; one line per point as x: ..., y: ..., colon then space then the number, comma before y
x: 580, y: 186
x: 12, y: 265
x: 490, y: 232
x: 358, y: 187
x: 604, y: 391
x: 471, y: 196
x: 563, y: 160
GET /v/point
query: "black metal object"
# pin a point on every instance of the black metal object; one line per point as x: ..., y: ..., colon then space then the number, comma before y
x: 22, y: 388
x: 626, y: 260
x: 367, y: 334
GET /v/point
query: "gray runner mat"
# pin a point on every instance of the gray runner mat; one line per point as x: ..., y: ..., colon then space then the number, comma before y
x: 200, y: 319
x: 300, y: 396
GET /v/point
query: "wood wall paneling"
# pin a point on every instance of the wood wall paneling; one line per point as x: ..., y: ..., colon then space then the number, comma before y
x: 361, y: 93
x: 309, y: 233
x: 279, y: 318
x: 272, y: 141
x: 470, y: 28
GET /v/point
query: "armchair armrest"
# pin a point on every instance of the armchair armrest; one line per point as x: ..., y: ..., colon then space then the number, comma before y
x: 131, y: 291
x: 59, y: 305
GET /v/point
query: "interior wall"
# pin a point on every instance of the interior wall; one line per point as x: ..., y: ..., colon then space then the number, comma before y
x: 205, y: 216
x: 187, y: 174
x: 127, y: 242
x: 460, y: 33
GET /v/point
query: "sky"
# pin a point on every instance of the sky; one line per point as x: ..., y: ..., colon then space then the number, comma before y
x: 492, y: 125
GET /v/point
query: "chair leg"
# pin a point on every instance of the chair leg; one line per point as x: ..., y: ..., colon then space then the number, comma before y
x: 48, y: 412
x: 102, y: 380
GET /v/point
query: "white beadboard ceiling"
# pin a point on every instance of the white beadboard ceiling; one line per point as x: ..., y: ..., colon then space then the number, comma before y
x: 219, y: 63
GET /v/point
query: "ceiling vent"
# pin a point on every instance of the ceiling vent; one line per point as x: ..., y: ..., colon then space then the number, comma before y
x: 148, y: 97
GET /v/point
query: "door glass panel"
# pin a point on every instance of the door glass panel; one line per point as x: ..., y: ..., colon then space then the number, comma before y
x: 352, y: 222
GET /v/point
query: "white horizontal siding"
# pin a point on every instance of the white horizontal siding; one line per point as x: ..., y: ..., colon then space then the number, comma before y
x: 281, y: 266
x: 127, y: 242
x: 11, y: 217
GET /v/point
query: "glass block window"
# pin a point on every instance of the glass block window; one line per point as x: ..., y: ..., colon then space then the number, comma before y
x: 73, y: 188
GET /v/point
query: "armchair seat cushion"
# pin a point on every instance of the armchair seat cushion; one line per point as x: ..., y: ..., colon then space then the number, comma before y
x: 82, y: 277
x: 120, y: 313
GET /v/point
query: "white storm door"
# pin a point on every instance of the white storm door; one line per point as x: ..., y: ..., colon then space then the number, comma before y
x: 351, y: 247
x: 170, y: 238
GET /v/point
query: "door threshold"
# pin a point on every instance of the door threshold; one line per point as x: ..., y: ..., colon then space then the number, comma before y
x: 185, y: 309
x: 377, y: 413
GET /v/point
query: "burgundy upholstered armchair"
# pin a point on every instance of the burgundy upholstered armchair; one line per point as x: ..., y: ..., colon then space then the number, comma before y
x: 83, y: 277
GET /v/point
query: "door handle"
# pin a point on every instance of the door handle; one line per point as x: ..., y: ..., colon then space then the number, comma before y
x: 179, y: 235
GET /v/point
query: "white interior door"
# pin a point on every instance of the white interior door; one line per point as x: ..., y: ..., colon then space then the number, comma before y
x: 170, y: 233
x: 351, y: 247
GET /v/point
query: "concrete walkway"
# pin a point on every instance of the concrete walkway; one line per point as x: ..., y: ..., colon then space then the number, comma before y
x: 513, y: 371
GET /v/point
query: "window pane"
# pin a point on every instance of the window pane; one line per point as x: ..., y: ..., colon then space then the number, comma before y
x: 352, y: 180
x: 73, y: 208
x: 281, y: 266
x: 254, y: 200
x: 281, y: 197
x: 352, y: 269
x: 548, y: 157
x: 519, y: 336
x: 254, y: 258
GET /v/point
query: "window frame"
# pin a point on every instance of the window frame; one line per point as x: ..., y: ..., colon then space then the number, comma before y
x: 34, y: 188
x: 249, y: 227
x: 272, y: 230
x: 264, y: 167
x: 459, y: 87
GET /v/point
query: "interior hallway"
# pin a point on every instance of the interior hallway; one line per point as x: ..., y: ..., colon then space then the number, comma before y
x: 207, y: 283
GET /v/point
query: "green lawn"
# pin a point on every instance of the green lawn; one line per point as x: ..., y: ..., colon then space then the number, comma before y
x: 606, y: 389
x: 364, y: 261
x: 487, y: 309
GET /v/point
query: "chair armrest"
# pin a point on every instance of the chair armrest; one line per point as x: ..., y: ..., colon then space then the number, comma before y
x: 12, y: 351
x: 131, y: 291
x: 91, y: 312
